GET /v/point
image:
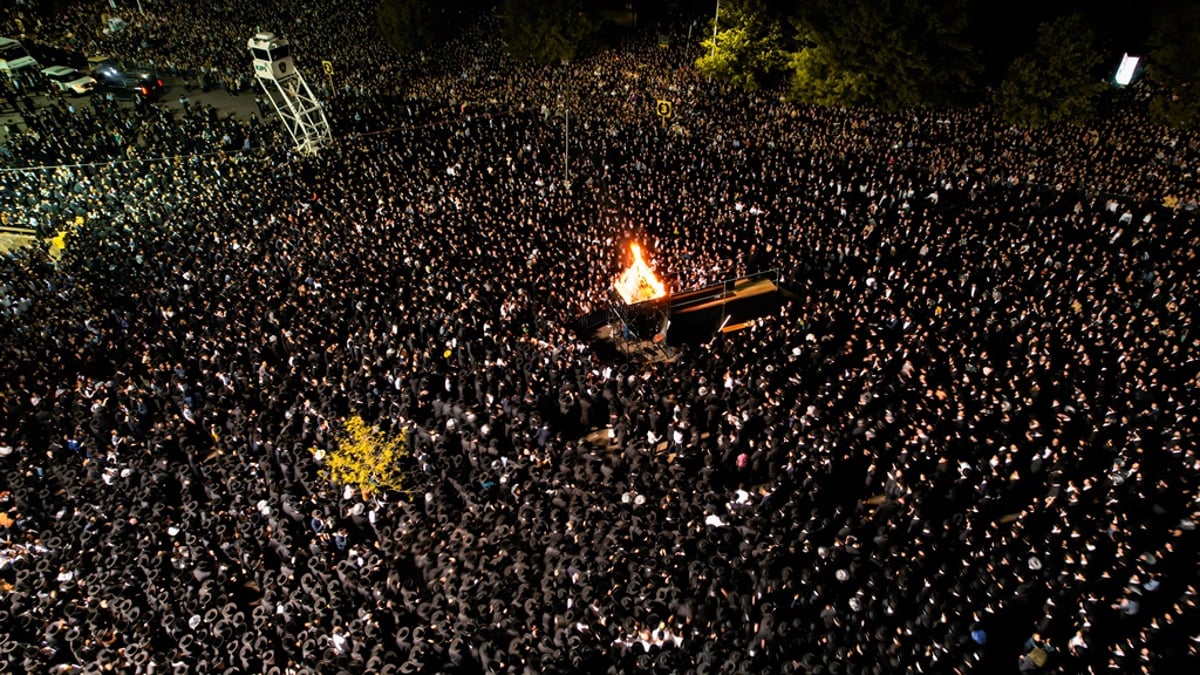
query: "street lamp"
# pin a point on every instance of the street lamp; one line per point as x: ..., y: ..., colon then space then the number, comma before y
x: 567, y: 148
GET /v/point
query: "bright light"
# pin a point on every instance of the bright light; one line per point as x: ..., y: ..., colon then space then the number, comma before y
x: 638, y: 282
x: 1127, y: 70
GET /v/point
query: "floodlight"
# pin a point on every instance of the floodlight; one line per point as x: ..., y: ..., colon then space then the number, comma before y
x: 1127, y: 70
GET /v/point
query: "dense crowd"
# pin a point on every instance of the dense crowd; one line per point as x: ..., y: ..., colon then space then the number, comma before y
x: 962, y: 445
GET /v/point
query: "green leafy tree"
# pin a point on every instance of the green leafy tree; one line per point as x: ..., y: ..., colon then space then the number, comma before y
x: 366, y: 459
x: 1173, y: 65
x: 49, y: 8
x: 1058, y: 81
x: 892, y: 54
x: 409, y: 25
x: 546, y: 31
x: 748, y: 46
x: 817, y: 78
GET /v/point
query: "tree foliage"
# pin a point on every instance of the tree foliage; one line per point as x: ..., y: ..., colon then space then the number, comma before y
x: 546, y: 31
x: 817, y: 78
x: 1058, y: 80
x: 409, y: 25
x: 366, y: 459
x: 1173, y: 65
x: 748, y: 46
x: 888, y: 53
x: 49, y: 8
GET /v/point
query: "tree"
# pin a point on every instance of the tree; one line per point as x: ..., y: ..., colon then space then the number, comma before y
x: 366, y: 458
x: 1058, y: 81
x: 748, y: 46
x: 1173, y: 64
x: 546, y: 31
x: 818, y: 79
x: 49, y: 8
x: 409, y: 25
x: 891, y: 54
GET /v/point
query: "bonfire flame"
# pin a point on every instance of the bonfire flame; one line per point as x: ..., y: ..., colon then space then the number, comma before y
x: 638, y: 282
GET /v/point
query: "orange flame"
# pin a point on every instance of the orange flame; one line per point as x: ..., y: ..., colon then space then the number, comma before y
x: 638, y: 282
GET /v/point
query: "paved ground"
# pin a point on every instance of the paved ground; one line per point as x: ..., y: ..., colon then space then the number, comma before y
x: 241, y: 106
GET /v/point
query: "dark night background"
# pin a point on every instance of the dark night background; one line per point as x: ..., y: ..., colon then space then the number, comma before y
x: 986, y: 363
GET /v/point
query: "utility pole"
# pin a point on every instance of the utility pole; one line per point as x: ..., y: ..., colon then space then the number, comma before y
x: 716, y: 23
x: 566, y: 103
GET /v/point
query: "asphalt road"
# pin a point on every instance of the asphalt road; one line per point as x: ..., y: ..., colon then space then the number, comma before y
x: 241, y: 105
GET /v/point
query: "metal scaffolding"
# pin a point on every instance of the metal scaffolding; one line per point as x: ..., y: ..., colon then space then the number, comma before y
x: 302, y: 114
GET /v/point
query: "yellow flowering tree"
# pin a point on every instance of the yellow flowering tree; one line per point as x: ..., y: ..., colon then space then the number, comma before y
x: 367, y: 459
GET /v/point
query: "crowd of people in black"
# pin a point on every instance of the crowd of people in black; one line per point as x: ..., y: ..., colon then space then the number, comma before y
x: 962, y: 445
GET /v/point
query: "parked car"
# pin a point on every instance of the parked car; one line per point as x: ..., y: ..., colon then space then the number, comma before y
x: 127, y: 83
x: 69, y: 80
x: 14, y: 57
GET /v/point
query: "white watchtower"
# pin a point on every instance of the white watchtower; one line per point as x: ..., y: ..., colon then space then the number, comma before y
x: 300, y: 111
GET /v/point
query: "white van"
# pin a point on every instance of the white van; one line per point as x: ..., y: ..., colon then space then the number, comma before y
x: 13, y: 56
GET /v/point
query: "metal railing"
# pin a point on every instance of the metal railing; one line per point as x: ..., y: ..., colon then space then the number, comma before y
x: 720, y: 289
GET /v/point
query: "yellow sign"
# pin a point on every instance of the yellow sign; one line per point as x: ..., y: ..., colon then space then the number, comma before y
x: 664, y: 108
x: 328, y: 66
x: 78, y: 220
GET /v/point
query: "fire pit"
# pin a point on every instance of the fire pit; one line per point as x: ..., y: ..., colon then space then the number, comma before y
x: 640, y: 306
x: 638, y: 283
